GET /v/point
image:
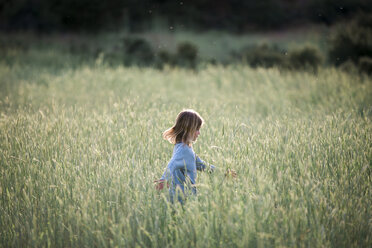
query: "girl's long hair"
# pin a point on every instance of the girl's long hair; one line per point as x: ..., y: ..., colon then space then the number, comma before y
x: 187, y: 123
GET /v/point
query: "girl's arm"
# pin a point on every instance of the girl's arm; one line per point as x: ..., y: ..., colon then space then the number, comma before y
x: 201, y: 165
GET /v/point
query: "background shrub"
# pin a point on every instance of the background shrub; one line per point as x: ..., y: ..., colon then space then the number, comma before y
x: 263, y: 56
x: 164, y: 58
x: 114, y: 55
x: 349, y: 67
x: 137, y: 51
x: 306, y: 58
x: 351, y: 41
x: 365, y: 65
x: 187, y: 54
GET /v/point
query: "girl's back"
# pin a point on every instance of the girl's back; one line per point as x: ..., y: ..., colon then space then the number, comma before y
x: 181, y: 166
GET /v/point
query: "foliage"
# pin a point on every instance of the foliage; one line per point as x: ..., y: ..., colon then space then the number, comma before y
x: 365, y: 64
x: 350, y: 41
x: 262, y: 56
x: 165, y: 58
x: 349, y: 67
x: 306, y: 57
x: 187, y: 54
x: 51, y: 15
x: 236, y: 15
x: 333, y: 11
x: 137, y: 51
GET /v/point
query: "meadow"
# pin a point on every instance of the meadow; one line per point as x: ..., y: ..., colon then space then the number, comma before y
x: 81, y: 144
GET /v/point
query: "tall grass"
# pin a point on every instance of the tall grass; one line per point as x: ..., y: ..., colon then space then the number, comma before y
x: 81, y: 146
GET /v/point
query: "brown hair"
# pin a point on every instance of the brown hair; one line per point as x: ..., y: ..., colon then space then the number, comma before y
x: 187, y: 123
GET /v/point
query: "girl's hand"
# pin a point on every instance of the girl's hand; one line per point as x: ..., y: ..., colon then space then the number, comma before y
x: 159, y: 184
x: 211, y: 168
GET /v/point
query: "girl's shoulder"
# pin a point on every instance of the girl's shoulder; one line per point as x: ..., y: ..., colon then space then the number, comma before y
x: 183, y: 148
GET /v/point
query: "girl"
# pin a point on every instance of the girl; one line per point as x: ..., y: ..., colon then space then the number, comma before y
x: 181, y: 169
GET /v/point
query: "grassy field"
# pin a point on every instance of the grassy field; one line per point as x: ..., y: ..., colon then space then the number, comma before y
x: 80, y: 147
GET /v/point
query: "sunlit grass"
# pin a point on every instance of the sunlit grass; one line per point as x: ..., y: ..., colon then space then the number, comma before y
x: 81, y: 146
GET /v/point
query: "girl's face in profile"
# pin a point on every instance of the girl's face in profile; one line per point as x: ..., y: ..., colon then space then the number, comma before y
x: 196, y: 134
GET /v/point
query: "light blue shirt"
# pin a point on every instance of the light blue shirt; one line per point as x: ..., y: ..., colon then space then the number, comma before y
x: 181, y: 170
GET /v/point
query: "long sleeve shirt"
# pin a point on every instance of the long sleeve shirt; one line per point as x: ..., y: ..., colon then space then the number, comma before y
x: 181, y: 170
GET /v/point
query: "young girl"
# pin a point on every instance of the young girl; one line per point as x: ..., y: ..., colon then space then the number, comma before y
x: 181, y: 169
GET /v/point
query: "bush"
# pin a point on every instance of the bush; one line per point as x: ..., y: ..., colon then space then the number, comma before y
x: 365, y: 65
x: 187, y: 54
x: 138, y: 51
x: 349, y: 67
x: 263, y: 56
x: 351, y: 41
x: 164, y: 58
x: 80, y: 48
x: 306, y: 58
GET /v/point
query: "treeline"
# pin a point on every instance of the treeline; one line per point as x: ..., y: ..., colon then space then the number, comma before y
x: 348, y: 48
x: 232, y: 15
